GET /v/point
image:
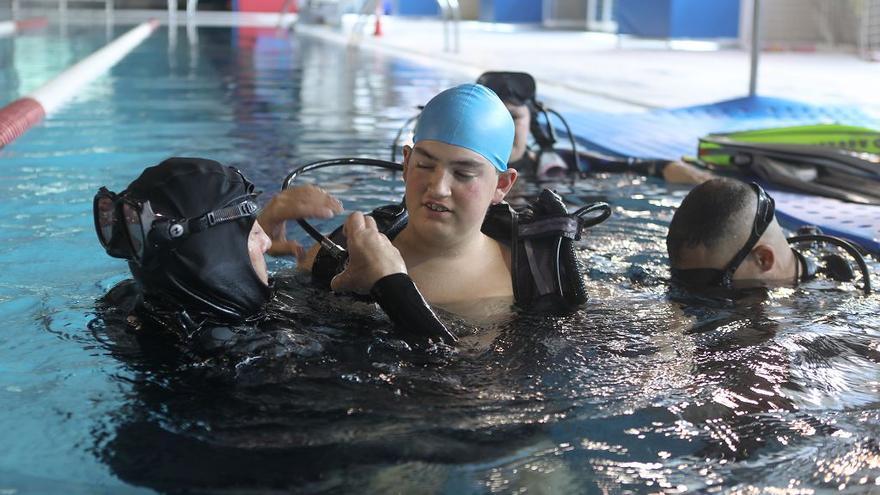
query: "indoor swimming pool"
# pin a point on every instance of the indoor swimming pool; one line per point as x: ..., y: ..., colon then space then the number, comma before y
x: 644, y: 390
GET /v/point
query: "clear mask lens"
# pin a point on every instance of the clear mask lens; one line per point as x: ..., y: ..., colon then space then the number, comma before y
x: 136, y: 235
x: 105, y: 209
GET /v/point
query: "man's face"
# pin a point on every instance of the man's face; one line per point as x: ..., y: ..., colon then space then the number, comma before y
x: 258, y: 244
x: 521, y: 121
x: 449, y: 189
x: 758, y: 268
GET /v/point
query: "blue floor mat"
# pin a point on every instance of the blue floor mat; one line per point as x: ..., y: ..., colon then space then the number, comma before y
x: 671, y: 134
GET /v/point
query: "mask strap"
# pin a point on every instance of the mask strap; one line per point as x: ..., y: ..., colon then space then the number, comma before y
x: 182, y: 228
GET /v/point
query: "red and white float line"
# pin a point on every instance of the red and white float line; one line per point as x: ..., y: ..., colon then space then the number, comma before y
x: 23, y: 113
x: 8, y: 28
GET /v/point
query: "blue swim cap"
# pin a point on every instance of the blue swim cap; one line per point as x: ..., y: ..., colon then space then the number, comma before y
x: 470, y: 116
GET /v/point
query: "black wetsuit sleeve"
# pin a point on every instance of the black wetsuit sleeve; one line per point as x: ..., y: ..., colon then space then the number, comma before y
x: 398, y: 296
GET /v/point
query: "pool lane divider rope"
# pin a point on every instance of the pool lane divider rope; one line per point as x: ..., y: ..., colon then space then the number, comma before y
x: 24, y: 113
x: 8, y: 28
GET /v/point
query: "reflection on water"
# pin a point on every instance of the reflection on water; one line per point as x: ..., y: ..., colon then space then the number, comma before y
x: 646, y: 389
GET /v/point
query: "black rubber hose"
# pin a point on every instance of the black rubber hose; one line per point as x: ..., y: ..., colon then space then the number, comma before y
x: 844, y: 244
x: 370, y: 162
x: 571, y: 138
x: 404, y: 127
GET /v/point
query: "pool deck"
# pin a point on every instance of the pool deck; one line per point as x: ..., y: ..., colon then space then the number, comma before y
x: 604, y: 72
x: 580, y: 70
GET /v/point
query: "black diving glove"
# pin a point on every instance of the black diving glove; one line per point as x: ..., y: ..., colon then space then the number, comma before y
x: 398, y: 296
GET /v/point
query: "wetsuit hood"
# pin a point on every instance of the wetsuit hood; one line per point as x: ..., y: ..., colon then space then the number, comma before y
x: 209, y: 273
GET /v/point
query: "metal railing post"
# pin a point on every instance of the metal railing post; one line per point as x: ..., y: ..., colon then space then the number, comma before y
x: 192, y: 7
x: 756, y: 47
x: 456, y: 22
x: 444, y: 19
x: 172, y: 12
x: 601, y: 21
x: 450, y: 14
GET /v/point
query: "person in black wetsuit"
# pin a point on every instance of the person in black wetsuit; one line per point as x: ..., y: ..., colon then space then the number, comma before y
x: 518, y: 92
x: 725, y: 235
x: 189, y: 231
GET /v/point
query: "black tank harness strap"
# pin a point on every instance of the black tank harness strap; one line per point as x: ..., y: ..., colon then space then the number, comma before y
x: 556, y: 227
x: 547, y: 273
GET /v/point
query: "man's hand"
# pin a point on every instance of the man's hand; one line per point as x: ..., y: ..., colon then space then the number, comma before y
x: 290, y: 204
x: 371, y: 256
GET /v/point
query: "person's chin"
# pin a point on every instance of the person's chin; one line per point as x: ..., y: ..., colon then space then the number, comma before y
x: 437, y: 228
x: 261, y: 270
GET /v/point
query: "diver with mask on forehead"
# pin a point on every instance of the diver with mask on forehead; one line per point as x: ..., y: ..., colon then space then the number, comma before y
x: 189, y: 231
x: 535, y: 152
x: 725, y: 236
x: 453, y: 239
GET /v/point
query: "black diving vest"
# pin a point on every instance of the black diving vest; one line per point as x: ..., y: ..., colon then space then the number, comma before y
x: 546, y: 272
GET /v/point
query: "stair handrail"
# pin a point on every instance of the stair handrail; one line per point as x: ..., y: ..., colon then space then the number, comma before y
x: 451, y: 15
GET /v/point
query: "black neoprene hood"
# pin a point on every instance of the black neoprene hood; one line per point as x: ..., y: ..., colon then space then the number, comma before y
x: 208, y: 273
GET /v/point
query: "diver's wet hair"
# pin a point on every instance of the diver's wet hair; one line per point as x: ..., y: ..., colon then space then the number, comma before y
x: 208, y: 275
x: 517, y: 88
x: 705, y: 215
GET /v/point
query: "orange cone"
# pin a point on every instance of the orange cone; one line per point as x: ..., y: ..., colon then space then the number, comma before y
x: 377, y: 29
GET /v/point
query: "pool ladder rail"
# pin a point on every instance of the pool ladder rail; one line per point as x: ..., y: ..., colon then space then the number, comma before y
x: 450, y: 14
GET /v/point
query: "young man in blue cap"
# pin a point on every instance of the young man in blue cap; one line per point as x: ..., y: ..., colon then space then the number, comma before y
x: 456, y: 169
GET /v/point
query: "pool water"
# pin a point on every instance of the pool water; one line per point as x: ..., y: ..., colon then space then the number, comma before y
x: 645, y: 390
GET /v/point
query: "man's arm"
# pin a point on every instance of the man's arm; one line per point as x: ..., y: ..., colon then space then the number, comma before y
x: 290, y: 204
x: 683, y: 173
x: 376, y: 267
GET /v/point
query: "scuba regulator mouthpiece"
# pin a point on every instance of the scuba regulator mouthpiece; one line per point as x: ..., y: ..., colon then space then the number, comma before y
x: 834, y: 266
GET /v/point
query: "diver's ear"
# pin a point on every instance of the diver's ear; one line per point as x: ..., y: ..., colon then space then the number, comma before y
x: 506, y: 180
x: 764, y: 257
x: 407, y: 152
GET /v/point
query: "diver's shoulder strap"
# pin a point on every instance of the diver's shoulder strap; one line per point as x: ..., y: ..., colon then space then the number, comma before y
x: 390, y: 220
x: 547, y: 274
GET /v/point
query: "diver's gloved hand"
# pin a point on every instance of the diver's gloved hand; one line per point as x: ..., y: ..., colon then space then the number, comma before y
x: 371, y: 256
x: 306, y: 201
x: 376, y: 267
